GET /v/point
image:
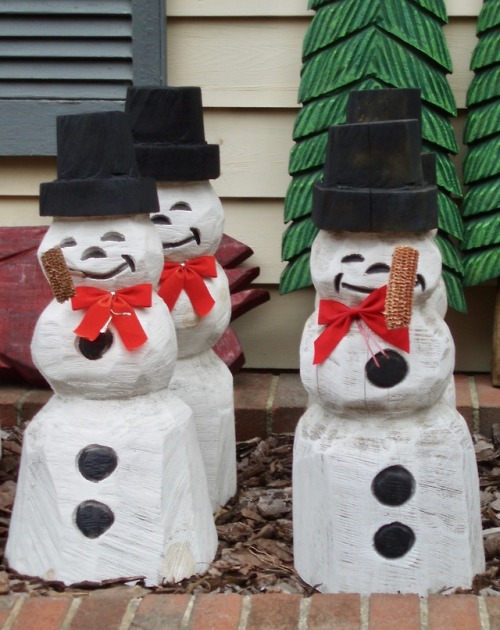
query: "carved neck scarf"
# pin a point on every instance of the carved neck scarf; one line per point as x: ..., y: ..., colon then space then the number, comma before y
x: 188, y: 276
x: 116, y: 307
x: 338, y: 318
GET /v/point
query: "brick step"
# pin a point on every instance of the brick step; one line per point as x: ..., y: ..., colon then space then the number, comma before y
x: 268, y: 403
x: 127, y: 610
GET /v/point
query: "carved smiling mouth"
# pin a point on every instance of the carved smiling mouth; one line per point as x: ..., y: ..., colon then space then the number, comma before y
x: 354, y: 287
x: 129, y: 263
x: 189, y: 239
x: 362, y: 289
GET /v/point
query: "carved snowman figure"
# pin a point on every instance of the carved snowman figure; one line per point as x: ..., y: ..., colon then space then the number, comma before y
x: 111, y: 482
x: 386, y: 493
x: 167, y: 126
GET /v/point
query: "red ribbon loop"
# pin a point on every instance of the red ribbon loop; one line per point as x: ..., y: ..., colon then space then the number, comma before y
x: 117, y: 307
x: 338, y: 317
x: 189, y: 276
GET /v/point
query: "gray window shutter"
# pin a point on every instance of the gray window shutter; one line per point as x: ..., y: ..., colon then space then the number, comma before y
x: 72, y: 56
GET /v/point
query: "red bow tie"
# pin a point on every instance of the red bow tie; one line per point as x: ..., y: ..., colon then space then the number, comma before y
x: 104, y: 307
x: 338, y: 319
x: 189, y: 276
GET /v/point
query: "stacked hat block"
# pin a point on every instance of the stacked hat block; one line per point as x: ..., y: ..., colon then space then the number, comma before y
x: 112, y: 481
x: 167, y: 127
x: 378, y: 504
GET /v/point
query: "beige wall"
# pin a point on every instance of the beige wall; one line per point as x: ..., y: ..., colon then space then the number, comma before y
x: 245, y: 55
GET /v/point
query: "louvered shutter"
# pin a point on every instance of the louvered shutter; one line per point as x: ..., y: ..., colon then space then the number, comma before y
x: 71, y: 56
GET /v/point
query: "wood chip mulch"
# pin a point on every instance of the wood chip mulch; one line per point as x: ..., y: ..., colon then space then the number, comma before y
x: 255, y: 553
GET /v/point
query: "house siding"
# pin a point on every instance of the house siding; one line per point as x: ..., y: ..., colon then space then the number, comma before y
x: 246, y: 56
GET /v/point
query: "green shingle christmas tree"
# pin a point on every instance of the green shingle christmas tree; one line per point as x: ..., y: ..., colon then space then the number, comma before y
x: 357, y: 45
x: 481, y: 207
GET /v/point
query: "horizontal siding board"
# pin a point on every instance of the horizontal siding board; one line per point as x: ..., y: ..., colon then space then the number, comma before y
x: 256, y: 62
x: 48, y: 70
x: 182, y: 8
x: 85, y: 91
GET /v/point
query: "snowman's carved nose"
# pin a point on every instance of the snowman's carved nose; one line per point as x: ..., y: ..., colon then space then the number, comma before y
x: 93, y: 252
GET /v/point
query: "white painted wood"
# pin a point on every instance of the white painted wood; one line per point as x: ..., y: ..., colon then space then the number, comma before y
x: 206, y: 384
x: 335, y: 461
x: 256, y: 62
x: 159, y: 515
x: 163, y: 525
x: 201, y: 378
x: 356, y: 427
x: 239, y: 8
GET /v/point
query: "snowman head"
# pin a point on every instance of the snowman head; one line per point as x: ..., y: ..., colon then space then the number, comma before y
x: 347, y: 267
x: 190, y: 221
x: 107, y: 252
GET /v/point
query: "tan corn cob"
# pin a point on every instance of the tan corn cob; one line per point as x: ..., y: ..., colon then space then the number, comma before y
x: 58, y: 274
x: 402, y: 278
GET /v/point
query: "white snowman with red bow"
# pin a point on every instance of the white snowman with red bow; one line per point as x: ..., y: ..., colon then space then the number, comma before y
x: 167, y: 126
x: 112, y: 482
x: 385, y: 485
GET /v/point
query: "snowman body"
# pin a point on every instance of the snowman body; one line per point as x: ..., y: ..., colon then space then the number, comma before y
x: 111, y: 482
x: 385, y: 479
x: 190, y: 224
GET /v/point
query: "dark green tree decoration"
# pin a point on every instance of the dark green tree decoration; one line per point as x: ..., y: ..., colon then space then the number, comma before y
x: 370, y: 44
x: 481, y: 207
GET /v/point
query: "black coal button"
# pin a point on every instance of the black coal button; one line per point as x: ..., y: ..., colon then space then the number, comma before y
x: 394, y: 540
x: 93, y: 518
x: 393, y: 485
x: 392, y: 368
x: 96, y: 462
x: 93, y: 350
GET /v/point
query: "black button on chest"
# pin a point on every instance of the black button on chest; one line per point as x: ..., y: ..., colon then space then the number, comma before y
x: 394, y: 540
x: 93, y: 518
x: 393, y: 485
x: 392, y: 368
x: 96, y: 462
x: 94, y: 350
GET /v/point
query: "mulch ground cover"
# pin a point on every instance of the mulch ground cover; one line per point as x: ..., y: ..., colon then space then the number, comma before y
x: 255, y: 553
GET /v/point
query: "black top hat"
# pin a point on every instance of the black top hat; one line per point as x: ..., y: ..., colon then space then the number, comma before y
x: 375, y: 178
x: 167, y: 126
x: 97, y: 170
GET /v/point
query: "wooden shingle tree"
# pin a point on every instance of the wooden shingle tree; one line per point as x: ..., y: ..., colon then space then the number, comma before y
x: 354, y: 45
x: 481, y: 207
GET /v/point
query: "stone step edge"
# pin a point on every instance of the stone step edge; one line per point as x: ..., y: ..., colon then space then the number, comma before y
x: 267, y: 402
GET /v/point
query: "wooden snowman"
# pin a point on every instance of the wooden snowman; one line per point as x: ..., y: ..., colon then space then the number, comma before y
x: 111, y: 482
x: 167, y: 126
x: 385, y: 485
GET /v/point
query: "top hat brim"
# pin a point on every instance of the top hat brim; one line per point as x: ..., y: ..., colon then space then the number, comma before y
x: 98, y: 197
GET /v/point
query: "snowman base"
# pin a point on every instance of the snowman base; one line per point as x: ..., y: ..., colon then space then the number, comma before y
x: 205, y: 383
x: 109, y: 489
x: 386, y: 505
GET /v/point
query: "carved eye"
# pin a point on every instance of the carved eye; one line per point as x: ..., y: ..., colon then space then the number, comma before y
x: 113, y: 236
x: 67, y: 242
x: 378, y: 268
x: 161, y: 219
x: 93, y: 252
x: 352, y: 258
x: 181, y: 205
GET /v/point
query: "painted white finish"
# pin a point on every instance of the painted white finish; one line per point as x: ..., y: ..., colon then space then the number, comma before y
x: 336, y: 514
x: 355, y: 428
x: 205, y: 382
x: 163, y: 523
x: 201, y: 378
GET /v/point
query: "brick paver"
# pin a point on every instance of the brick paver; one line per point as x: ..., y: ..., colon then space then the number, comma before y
x: 290, y: 400
x: 334, y: 611
x: 251, y: 393
x: 220, y: 612
x: 104, y: 608
x: 274, y: 612
x: 459, y: 612
x: 42, y: 613
x: 394, y: 612
x: 160, y: 612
